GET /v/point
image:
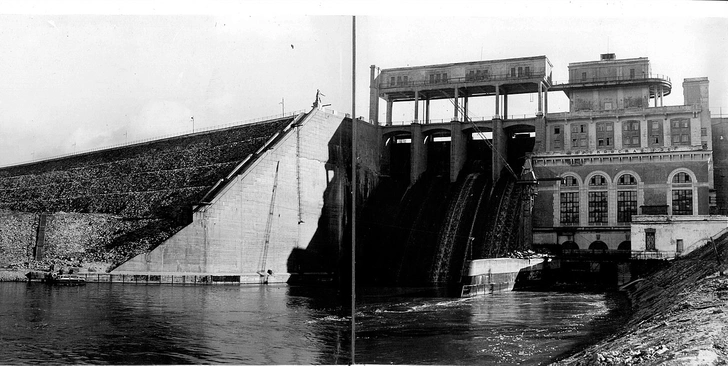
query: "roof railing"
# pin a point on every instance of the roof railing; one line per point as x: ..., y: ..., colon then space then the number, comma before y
x: 613, y: 78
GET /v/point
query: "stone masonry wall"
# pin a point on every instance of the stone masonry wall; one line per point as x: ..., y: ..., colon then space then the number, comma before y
x: 17, y: 237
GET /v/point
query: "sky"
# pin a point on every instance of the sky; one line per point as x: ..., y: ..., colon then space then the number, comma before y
x: 77, y: 76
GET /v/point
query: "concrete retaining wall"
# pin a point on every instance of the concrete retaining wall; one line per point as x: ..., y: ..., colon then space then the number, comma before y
x: 694, y: 231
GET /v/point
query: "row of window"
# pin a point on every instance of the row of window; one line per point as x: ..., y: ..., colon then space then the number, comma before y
x: 437, y: 78
x: 598, y: 198
x: 631, y: 75
x: 398, y: 81
x: 631, y: 136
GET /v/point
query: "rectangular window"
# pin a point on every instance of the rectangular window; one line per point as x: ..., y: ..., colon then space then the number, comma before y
x: 703, y: 132
x: 605, y: 135
x: 682, y: 201
x: 570, y: 208
x: 432, y: 78
x: 680, y: 131
x: 444, y: 77
x: 399, y: 80
x: 557, y: 139
x: 598, y: 207
x: 631, y: 134
x: 626, y: 205
x: 404, y: 79
x: 391, y: 81
x: 583, y: 76
x: 513, y: 72
x: 654, y: 130
x: 579, y: 135
x: 528, y: 71
x: 650, y: 240
x: 520, y: 71
x: 631, y: 73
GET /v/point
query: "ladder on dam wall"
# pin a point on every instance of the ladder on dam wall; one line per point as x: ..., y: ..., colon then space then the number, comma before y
x: 268, y: 226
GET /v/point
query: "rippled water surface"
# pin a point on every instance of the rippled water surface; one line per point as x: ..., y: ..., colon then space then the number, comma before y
x: 138, y: 324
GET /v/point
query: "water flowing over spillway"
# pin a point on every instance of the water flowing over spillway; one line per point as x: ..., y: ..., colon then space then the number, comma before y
x: 448, y: 237
x: 421, y: 235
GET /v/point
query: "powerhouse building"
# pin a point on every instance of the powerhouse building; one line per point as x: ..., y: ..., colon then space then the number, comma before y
x: 621, y: 154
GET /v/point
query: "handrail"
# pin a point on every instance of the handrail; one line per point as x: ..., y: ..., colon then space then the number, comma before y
x: 701, y: 242
x: 613, y: 78
x: 630, y: 111
x: 135, y: 142
x: 472, y: 119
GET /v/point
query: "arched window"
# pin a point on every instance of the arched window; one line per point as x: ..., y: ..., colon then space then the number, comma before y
x: 627, y: 180
x: 569, y: 198
x: 597, y: 181
x: 570, y: 181
x: 598, y: 200
x: 569, y: 245
x: 598, y: 245
x: 626, y: 197
x: 682, y: 194
x: 681, y: 177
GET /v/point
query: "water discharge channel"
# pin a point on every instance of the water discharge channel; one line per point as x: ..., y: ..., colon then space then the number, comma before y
x: 102, y: 323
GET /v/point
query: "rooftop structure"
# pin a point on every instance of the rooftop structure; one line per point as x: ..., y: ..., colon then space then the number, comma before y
x: 497, y: 78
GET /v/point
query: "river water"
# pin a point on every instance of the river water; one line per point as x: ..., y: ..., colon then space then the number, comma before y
x: 102, y: 323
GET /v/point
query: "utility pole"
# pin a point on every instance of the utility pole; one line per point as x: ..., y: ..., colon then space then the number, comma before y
x: 353, y: 187
x: 193, y: 123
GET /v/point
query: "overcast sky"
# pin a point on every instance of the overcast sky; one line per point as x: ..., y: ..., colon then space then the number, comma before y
x: 75, y: 77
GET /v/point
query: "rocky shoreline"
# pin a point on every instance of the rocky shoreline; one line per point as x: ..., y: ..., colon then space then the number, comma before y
x: 679, y: 317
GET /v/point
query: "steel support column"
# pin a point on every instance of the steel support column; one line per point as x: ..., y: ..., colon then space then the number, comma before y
x: 417, y: 104
x: 388, y: 121
x: 455, y: 110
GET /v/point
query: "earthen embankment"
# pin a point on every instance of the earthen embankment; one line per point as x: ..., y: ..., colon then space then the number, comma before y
x: 110, y: 205
x: 679, y: 316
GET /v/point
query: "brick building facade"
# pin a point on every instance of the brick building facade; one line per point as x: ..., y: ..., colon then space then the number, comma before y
x: 620, y: 152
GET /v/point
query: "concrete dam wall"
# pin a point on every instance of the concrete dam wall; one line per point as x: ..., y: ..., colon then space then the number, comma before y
x: 268, y: 196
x: 286, y: 213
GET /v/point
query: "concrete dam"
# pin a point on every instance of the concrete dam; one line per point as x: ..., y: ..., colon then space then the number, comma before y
x: 270, y: 201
